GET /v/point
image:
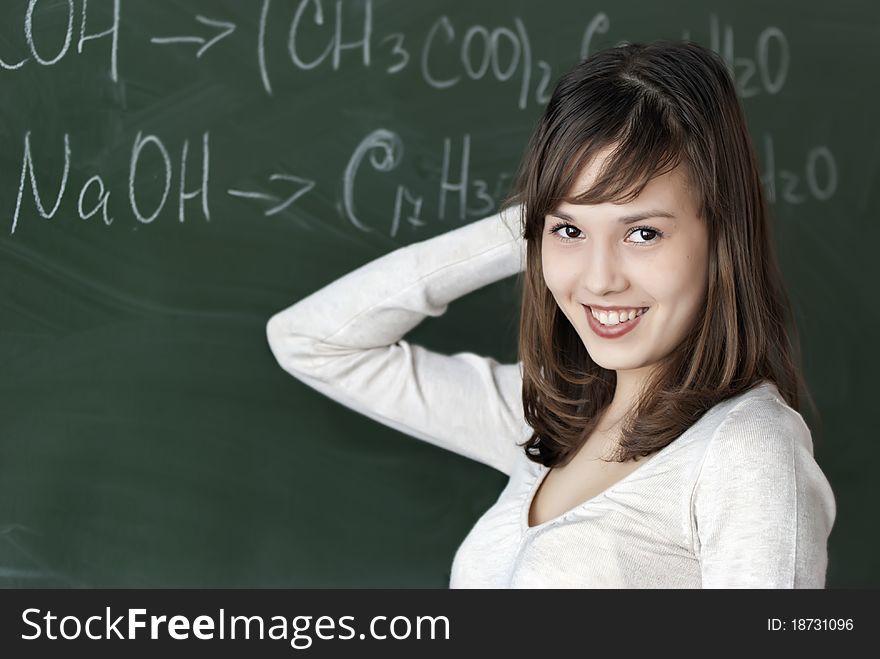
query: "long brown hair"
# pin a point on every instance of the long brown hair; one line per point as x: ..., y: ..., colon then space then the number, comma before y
x: 659, y: 105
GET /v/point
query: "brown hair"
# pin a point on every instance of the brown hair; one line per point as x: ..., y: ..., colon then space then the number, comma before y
x: 659, y: 105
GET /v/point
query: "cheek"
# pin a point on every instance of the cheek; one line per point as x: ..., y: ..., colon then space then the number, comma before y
x: 686, y: 289
x: 555, y: 277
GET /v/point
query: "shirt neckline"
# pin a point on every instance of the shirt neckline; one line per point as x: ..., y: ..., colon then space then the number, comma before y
x: 543, y: 470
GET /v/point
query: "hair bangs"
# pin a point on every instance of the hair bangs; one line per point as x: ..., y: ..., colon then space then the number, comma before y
x: 649, y: 146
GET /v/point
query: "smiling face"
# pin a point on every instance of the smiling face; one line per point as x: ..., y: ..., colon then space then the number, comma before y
x: 592, y: 258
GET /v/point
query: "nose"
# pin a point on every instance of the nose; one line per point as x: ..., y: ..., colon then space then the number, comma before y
x: 602, y: 272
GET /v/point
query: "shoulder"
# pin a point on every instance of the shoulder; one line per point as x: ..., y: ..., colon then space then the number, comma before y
x: 757, y: 426
x: 753, y: 422
x: 760, y: 455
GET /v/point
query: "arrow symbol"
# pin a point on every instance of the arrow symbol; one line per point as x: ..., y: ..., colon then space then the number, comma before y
x: 306, y: 184
x: 228, y: 28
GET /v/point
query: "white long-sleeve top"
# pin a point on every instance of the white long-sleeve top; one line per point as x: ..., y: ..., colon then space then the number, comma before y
x: 737, y: 500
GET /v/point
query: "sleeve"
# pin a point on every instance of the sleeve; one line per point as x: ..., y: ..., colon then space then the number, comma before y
x: 762, y: 508
x: 345, y: 341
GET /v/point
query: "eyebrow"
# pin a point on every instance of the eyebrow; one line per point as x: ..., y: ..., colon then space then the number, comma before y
x: 626, y: 219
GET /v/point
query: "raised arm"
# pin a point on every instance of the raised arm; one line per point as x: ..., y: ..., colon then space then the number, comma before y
x: 763, y: 509
x: 345, y: 341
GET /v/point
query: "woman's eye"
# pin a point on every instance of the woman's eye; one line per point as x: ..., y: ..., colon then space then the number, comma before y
x: 653, y: 235
x: 567, y: 234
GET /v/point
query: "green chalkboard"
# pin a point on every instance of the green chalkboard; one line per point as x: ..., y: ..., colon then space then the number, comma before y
x: 173, y: 174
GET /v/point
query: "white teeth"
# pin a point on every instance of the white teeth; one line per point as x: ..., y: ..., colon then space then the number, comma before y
x: 615, y: 318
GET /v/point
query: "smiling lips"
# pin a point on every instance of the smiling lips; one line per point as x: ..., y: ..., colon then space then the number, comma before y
x: 633, y: 317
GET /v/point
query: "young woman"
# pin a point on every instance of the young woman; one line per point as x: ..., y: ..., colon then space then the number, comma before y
x: 654, y: 324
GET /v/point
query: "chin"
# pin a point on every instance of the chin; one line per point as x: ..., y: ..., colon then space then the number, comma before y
x: 617, y: 366
x: 622, y: 362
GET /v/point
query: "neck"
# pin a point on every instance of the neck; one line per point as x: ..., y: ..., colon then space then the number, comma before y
x: 626, y: 394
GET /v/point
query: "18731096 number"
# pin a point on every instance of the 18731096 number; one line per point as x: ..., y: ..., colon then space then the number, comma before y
x: 809, y: 624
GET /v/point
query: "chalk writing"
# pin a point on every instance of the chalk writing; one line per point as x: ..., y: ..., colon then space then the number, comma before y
x: 386, y: 151
x: 226, y: 29
x: 95, y: 187
x: 42, y: 53
x: 280, y: 203
x: 770, y: 62
x: 819, y: 174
